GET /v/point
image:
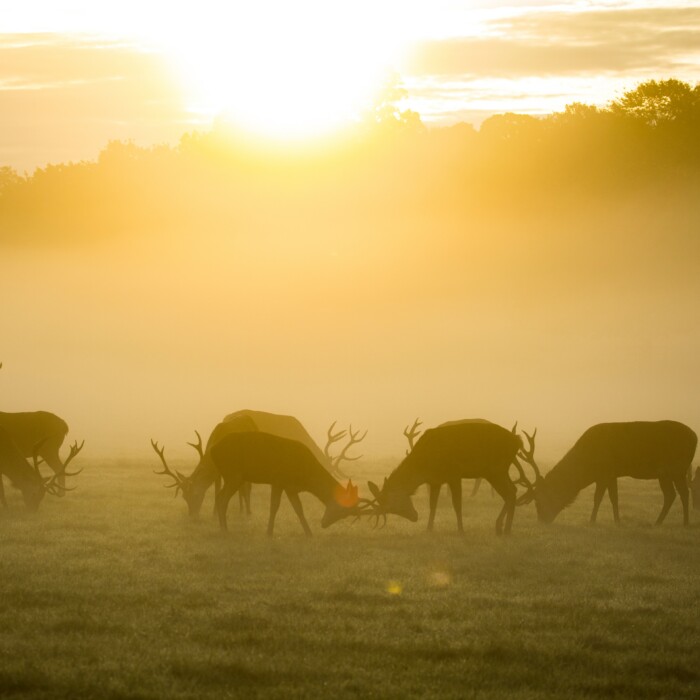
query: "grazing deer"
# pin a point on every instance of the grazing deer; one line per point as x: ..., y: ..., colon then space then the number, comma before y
x: 289, y: 467
x: 42, y: 429
x: 411, y: 434
x: 660, y: 450
x: 446, y: 455
x: 26, y: 478
x: 195, y: 486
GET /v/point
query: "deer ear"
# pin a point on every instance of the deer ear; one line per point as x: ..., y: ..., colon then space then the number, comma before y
x: 374, y: 489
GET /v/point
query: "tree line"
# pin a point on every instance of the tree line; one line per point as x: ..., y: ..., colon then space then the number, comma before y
x: 646, y: 137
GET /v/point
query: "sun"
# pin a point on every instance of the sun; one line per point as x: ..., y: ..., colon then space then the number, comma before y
x: 283, y: 70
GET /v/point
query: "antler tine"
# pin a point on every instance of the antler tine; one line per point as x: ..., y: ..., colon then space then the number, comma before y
x: 51, y: 484
x: 166, y: 470
x: 198, y: 445
x: 411, y: 433
x: 522, y: 479
x: 529, y: 454
x: 333, y: 437
x: 364, y: 504
x: 74, y: 450
x: 354, y: 439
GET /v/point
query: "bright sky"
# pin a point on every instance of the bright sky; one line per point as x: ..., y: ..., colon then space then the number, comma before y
x: 74, y: 75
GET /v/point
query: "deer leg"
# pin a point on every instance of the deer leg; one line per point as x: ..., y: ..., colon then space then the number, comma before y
x: 275, y: 498
x: 456, y: 489
x: 222, y: 499
x: 433, y: 492
x: 296, y: 504
x: 2, y: 493
x: 669, y: 496
x: 600, y: 488
x: 244, y: 497
x: 612, y: 492
x: 505, y: 488
x: 681, y: 485
x: 475, y: 489
x: 217, y: 488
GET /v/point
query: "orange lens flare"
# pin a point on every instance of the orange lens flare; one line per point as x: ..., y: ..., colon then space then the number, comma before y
x: 347, y: 496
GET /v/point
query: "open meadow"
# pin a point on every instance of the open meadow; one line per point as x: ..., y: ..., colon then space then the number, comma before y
x: 113, y: 592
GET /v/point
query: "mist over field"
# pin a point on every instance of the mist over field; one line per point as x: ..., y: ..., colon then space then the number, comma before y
x: 525, y: 272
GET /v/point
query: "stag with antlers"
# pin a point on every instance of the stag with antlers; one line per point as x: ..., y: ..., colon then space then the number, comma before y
x: 38, y: 428
x: 446, y: 455
x: 194, y: 486
x: 660, y: 450
x: 289, y: 467
x: 28, y: 479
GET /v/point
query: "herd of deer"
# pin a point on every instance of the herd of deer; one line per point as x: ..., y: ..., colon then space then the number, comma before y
x: 255, y: 447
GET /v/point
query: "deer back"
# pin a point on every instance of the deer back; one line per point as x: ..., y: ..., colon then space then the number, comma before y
x: 30, y: 428
x: 641, y: 449
x: 278, y: 424
x: 262, y: 458
x: 459, y: 450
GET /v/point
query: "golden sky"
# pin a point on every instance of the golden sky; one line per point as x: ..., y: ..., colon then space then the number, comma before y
x: 74, y: 75
x: 319, y: 302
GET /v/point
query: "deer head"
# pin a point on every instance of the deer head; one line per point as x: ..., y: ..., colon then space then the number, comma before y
x: 344, y: 503
x: 34, y: 490
x: 391, y: 501
x: 180, y: 482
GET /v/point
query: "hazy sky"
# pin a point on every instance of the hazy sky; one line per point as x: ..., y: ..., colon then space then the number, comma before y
x: 74, y: 75
x: 358, y: 315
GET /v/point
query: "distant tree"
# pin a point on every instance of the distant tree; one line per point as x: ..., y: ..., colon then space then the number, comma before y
x: 511, y: 127
x: 8, y: 179
x: 578, y: 113
x: 120, y: 152
x: 660, y: 102
x: 386, y: 111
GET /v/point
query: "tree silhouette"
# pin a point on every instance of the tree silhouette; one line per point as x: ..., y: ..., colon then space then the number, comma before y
x: 658, y: 103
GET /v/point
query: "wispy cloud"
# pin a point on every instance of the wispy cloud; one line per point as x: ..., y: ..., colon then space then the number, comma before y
x: 558, y: 43
x: 64, y: 97
x: 538, y: 60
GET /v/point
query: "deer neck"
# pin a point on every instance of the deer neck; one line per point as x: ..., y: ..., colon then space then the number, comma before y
x: 408, y: 476
x: 322, y: 485
x: 566, y: 479
x: 204, y: 473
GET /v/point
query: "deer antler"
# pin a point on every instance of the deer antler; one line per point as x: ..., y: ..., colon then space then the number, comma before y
x: 354, y: 439
x: 411, y: 434
x: 528, y: 455
x: 332, y: 438
x: 74, y: 450
x: 178, y: 479
x: 51, y: 484
x: 198, y: 445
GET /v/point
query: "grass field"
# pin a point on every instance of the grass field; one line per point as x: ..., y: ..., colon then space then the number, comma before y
x: 112, y: 592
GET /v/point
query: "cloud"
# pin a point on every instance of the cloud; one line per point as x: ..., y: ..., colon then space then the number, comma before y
x: 662, y: 40
x: 64, y: 97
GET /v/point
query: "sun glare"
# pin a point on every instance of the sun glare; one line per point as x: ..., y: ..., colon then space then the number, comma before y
x: 280, y: 70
